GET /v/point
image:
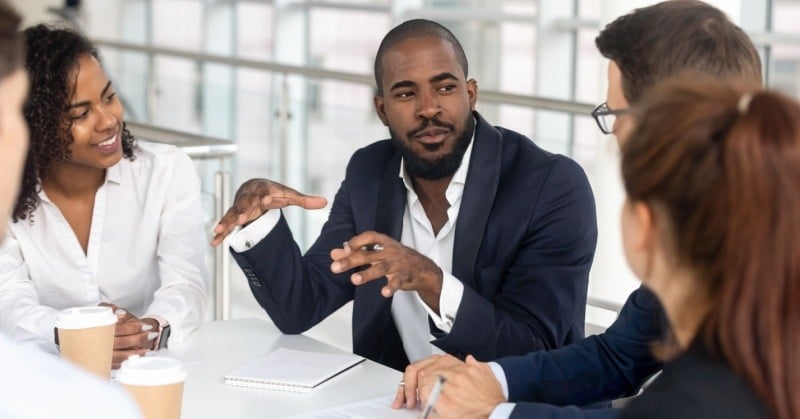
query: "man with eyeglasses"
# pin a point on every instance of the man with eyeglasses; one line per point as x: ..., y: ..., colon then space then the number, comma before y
x: 644, y: 47
x: 606, y: 117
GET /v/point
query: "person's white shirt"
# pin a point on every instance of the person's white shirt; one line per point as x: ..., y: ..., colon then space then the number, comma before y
x: 146, y: 251
x: 502, y: 410
x: 37, y: 385
x: 408, y: 310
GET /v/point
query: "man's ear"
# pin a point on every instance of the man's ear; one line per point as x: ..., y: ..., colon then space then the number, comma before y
x: 380, y: 110
x: 472, y: 92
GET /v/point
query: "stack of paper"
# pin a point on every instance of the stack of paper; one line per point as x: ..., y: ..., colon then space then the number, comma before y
x: 291, y: 370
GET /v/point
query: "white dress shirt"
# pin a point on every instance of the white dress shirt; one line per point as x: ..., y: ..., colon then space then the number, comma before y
x: 146, y: 251
x: 502, y: 410
x: 37, y: 385
x: 409, y: 312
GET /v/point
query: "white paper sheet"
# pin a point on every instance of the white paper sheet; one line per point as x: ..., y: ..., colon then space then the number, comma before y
x: 380, y: 408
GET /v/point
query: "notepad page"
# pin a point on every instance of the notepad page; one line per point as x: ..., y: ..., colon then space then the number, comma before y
x: 290, y: 370
x: 367, y: 409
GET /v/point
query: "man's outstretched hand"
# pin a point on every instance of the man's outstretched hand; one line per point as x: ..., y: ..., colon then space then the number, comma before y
x: 257, y: 196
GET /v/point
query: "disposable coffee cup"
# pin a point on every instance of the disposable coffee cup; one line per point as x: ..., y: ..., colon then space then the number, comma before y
x: 156, y: 384
x: 86, y: 337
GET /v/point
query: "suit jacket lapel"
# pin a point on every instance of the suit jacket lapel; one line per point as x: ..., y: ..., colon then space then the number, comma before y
x: 391, y: 200
x: 372, y: 315
x: 476, y: 203
x: 388, y: 216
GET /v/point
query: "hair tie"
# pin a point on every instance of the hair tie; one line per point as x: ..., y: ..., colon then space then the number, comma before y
x: 744, y: 103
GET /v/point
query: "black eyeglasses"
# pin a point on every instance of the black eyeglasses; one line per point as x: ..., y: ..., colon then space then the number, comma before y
x: 605, y: 117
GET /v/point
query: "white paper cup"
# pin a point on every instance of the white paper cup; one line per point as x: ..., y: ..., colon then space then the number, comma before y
x: 86, y: 337
x: 156, y: 384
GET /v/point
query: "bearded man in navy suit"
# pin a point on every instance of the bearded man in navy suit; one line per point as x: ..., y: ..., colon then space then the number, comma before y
x: 453, y: 235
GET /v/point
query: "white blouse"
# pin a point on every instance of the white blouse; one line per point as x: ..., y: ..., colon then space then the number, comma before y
x: 146, y: 251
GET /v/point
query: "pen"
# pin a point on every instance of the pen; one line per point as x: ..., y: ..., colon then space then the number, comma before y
x: 373, y: 247
x: 434, y: 396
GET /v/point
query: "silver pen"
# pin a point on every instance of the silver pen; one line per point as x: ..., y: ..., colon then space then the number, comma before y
x: 433, y: 397
x: 373, y: 247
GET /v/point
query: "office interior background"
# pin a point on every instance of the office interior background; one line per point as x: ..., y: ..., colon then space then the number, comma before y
x: 283, y: 89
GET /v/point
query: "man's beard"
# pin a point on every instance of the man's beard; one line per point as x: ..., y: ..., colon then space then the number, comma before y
x: 439, y: 167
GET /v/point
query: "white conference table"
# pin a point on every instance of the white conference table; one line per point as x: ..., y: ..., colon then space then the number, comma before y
x: 218, y: 347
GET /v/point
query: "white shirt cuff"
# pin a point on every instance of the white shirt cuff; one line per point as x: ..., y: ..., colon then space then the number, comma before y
x: 502, y: 411
x: 449, y: 301
x: 243, y: 239
x: 500, y: 375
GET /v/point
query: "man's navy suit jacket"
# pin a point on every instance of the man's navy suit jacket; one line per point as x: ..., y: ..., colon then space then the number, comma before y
x: 524, y: 241
x: 613, y: 364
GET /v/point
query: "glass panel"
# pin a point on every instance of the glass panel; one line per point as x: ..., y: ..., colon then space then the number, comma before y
x: 217, y: 96
x: 517, y: 57
x: 785, y: 66
x: 186, y: 35
x: 517, y: 45
x: 345, y: 40
x: 386, y: 3
x: 217, y: 109
x: 254, y: 124
x: 254, y: 31
x: 585, y: 144
x: 176, y: 104
x: 588, y: 80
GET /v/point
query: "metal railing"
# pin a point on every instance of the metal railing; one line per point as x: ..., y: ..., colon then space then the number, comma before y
x: 495, y: 96
x: 604, y: 304
x: 200, y: 147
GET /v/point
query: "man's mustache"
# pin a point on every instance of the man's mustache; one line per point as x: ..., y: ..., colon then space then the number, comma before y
x: 435, y: 122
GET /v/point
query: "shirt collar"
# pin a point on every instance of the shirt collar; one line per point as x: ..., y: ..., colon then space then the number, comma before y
x: 113, y: 174
x: 459, y: 177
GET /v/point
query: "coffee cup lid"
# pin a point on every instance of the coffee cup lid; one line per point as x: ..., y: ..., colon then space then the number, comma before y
x: 151, y: 371
x: 85, y: 317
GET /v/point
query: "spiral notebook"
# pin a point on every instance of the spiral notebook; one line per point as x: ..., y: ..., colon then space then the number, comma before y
x: 291, y: 370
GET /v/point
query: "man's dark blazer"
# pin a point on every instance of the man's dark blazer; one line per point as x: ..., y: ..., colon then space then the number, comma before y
x: 524, y: 241
x: 599, y: 368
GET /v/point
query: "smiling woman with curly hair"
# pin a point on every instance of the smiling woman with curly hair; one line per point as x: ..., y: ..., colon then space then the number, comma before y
x: 52, y: 65
x: 99, y: 219
x: 71, y: 392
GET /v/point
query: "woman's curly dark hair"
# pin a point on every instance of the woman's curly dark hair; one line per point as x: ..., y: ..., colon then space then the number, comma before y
x: 52, y: 60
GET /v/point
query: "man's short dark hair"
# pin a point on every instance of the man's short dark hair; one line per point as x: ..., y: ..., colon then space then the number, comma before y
x: 416, y: 28
x: 11, y: 49
x: 656, y: 42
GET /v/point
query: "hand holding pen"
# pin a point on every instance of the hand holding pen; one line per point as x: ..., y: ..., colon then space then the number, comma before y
x: 471, y: 389
x: 436, y: 391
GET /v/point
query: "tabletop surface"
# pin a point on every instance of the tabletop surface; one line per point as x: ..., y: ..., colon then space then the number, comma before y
x: 218, y: 347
